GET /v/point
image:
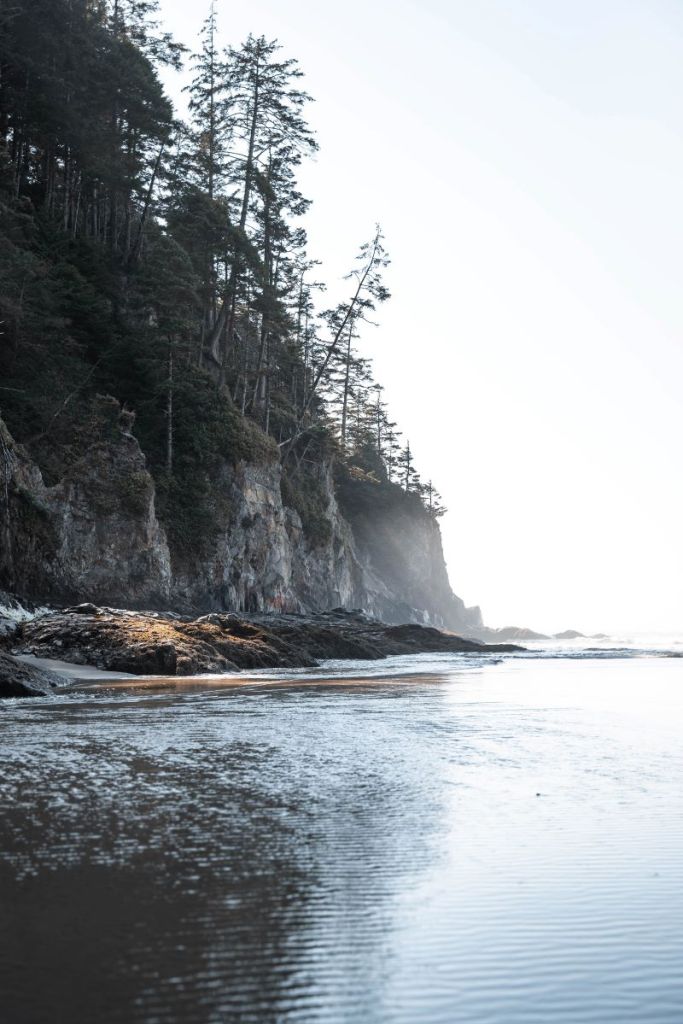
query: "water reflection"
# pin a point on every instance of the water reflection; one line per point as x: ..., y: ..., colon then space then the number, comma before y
x: 218, y: 857
x: 498, y: 845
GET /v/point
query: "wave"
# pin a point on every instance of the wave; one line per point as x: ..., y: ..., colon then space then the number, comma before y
x: 432, y: 664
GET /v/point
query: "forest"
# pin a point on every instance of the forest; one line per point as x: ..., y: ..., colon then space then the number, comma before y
x: 163, y: 263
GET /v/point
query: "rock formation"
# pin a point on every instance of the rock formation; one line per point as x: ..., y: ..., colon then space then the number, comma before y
x: 17, y: 679
x: 95, y: 536
x: 148, y: 643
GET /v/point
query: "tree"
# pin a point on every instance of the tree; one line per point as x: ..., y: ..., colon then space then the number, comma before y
x: 433, y: 501
x: 136, y: 20
x: 168, y: 299
x: 405, y: 467
x: 82, y: 117
x: 209, y: 112
x: 369, y: 290
x: 267, y: 118
x: 166, y: 264
x: 205, y: 167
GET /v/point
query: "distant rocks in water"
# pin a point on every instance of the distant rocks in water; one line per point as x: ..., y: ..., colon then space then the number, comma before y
x: 510, y: 633
x: 155, y: 643
x: 522, y: 633
x: 18, y: 679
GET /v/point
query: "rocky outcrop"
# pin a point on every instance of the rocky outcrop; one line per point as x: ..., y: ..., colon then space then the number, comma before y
x: 17, y: 679
x: 505, y: 633
x: 263, y: 560
x: 400, y: 545
x: 95, y: 536
x: 157, y: 644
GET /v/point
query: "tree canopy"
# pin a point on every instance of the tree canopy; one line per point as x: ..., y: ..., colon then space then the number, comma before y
x: 165, y: 262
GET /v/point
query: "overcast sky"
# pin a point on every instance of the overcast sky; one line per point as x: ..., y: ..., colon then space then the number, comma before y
x: 525, y: 160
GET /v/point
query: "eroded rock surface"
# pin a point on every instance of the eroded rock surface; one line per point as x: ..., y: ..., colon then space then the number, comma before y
x: 157, y: 644
x: 95, y: 536
x: 17, y: 679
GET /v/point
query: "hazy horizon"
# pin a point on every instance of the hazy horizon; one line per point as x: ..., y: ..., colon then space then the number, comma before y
x: 525, y: 165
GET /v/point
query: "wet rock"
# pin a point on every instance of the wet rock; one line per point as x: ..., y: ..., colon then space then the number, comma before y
x: 13, y: 612
x: 84, y: 609
x: 147, y: 644
x: 18, y: 679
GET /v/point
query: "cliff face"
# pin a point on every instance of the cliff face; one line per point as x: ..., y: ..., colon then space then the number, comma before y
x: 95, y: 536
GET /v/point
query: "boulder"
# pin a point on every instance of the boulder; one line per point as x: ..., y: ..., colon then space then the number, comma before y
x: 19, y: 679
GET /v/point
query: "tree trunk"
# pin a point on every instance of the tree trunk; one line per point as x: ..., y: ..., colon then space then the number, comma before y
x: 135, y: 251
x: 345, y: 400
x: 227, y: 313
x: 169, y: 412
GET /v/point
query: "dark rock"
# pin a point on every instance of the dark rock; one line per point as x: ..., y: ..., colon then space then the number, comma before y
x: 84, y: 609
x: 95, y: 537
x: 12, y: 613
x: 145, y: 644
x: 18, y: 679
x: 507, y: 633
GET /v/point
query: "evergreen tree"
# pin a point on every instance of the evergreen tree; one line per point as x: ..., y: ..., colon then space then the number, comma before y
x: 209, y: 112
x: 201, y: 199
x: 267, y: 117
x: 166, y: 265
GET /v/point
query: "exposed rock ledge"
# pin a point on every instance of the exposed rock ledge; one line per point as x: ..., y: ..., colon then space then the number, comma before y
x: 95, y: 536
x: 150, y: 643
x: 20, y: 680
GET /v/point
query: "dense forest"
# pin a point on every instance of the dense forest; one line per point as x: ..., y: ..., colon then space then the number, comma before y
x: 164, y: 263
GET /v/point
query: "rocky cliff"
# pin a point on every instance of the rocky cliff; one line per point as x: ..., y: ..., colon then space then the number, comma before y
x: 95, y: 536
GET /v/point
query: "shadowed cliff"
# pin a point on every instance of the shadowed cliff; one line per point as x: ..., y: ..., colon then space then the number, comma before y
x: 95, y: 535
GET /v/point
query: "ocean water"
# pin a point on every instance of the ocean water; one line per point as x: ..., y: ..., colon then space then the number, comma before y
x: 432, y: 839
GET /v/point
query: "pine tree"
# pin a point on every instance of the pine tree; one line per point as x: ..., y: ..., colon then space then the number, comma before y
x: 137, y: 21
x: 433, y: 501
x: 205, y: 163
x: 405, y: 467
x: 209, y: 111
x: 267, y: 118
x: 368, y: 291
x: 167, y: 264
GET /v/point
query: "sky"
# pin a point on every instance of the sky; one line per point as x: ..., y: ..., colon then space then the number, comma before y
x: 525, y: 161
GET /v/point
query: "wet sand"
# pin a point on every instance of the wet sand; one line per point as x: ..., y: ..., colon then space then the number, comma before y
x: 490, y: 842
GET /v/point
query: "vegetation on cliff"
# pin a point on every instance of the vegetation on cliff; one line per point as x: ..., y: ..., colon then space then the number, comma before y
x: 164, y: 263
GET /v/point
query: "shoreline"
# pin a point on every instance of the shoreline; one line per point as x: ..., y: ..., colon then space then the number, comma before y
x: 103, y: 644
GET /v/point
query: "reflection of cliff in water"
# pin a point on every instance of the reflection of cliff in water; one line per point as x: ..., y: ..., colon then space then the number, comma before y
x: 213, y: 857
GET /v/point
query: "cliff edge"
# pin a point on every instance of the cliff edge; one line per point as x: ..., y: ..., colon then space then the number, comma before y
x: 95, y: 535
